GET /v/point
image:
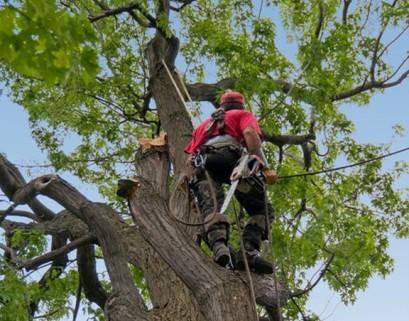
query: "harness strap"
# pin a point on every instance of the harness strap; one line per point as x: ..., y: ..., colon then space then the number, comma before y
x: 217, y: 118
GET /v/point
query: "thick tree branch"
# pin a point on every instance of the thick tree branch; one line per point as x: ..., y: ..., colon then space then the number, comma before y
x: 209, y: 92
x: 98, y: 217
x: 20, y: 213
x: 64, y: 224
x: 93, y: 289
x: 281, y: 140
x: 125, y: 295
x: 55, y: 270
x: 369, y: 86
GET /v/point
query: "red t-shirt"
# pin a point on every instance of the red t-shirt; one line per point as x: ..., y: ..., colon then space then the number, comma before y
x: 235, y: 122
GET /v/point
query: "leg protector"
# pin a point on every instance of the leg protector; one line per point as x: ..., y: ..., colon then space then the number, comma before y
x: 217, y: 229
x: 255, y: 230
x: 217, y: 232
x: 252, y: 237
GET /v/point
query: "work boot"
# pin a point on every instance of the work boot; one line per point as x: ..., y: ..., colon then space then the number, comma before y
x: 217, y: 234
x: 221, y: 254
x: 256, y: 263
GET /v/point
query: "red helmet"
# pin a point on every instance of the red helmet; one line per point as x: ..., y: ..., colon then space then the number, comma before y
x: 232, y: 98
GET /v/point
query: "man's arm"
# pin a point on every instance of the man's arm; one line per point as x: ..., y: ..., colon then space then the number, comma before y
x: 253, y: 143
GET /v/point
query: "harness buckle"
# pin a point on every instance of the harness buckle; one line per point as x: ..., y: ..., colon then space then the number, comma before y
x: 198, y: 160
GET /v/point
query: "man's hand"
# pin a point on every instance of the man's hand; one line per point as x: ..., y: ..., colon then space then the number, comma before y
x: 256, y: 164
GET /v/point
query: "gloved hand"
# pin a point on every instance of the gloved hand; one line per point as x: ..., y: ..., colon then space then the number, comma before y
x: 270, y: 175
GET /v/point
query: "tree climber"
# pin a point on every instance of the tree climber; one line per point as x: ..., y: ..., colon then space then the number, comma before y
x: 216, y: 146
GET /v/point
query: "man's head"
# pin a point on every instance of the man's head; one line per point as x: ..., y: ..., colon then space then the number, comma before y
x: 232, y: 100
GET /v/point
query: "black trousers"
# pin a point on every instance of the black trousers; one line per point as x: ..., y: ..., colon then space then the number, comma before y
x: 219, y: 164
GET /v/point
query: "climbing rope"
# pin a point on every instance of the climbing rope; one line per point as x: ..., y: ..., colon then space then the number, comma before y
x: 246, y: 263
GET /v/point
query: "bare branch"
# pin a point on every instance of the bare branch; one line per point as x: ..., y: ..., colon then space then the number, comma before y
x: 320, y: 19
x: 20, y: 213
x: 304, y: 318
x: 36, y: 262
x: 129, y: 9
x: 15, y: 259
x: 368, y: 86
x: 281, y: 140
x: 184, y: 4
x: 313, y: 285
x: 77, y: 301
x: 345, y: 11
x: 368, y: 12
x: 375, y: 56
x: 397, y: 69
x: 47, y: 315
x: 393, y: 41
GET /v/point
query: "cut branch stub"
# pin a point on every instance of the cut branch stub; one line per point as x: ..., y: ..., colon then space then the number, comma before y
x: 12, y: 180
x: 152, y: 163
x: 29, y: 191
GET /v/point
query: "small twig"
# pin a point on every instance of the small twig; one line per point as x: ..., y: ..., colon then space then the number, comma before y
x: 260, y: 9
x: 77, y: 301
x: 393, y: 40
x: 320, y: 19
x: 309, y: 288
x: 12, y: 254
x: 299, y: 309
x: 337, y: 278
x: 375, y: 56
x: 45, y: 316
x: 184, y: 4
x: 397, y: 69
